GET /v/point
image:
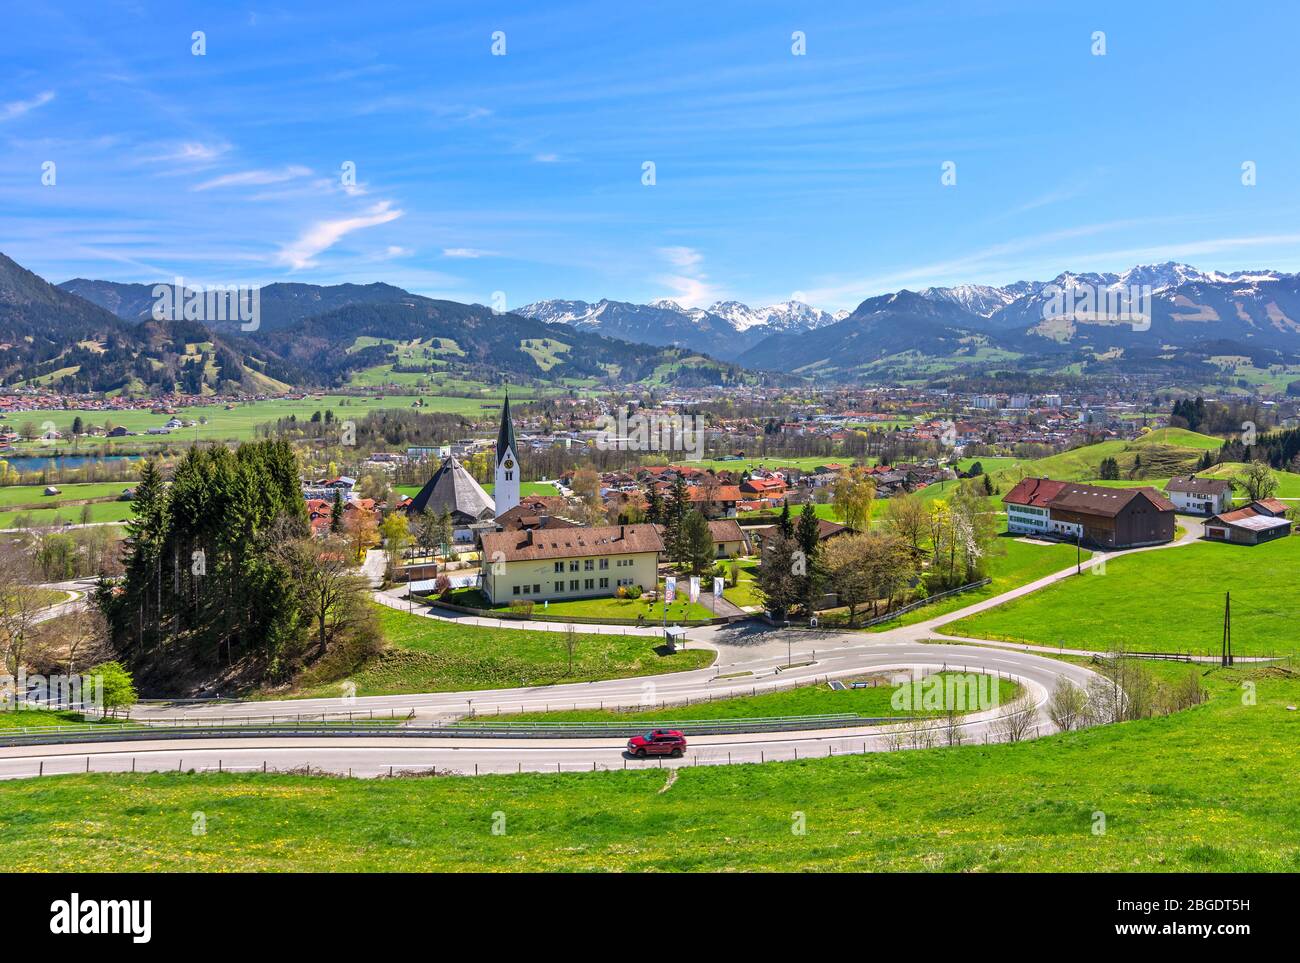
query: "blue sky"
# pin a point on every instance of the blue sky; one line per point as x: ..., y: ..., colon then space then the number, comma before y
x: 776, y: 175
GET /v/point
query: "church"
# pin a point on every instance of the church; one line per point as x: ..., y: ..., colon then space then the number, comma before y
x: 453, y: 489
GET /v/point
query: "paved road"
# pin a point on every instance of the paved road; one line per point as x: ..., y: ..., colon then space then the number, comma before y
x: 78, y: 589
x: 751, y: 658
x: 373, y: 755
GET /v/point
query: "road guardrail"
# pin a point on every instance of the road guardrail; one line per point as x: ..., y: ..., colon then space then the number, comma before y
x: 62, y: 735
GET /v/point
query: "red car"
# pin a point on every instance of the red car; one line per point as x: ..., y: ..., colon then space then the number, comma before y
x: 657, y: 742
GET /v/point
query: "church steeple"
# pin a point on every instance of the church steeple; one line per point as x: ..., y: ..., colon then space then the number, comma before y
x: 506, y: 433
x: 505, y: 491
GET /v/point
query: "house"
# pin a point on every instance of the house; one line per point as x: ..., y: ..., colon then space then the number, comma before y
x: 569, y: 563
x: 1260, y: 521
x: 1107, y: 517
x: 764, y: 487
x: 728, y: 538
x: 537, y: 511
x: 715, y: 500
x: 1199, y: 496
x: 826, y: 530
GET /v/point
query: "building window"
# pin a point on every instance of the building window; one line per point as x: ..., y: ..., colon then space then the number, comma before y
x: 573, y: 566
x: 589, y: 583
x: 604, y: 583
x: 514, y: 590
x: 559, y: 566
x: 510, y: 476
x: 604, y: 564
x: 537, y: 589
x: 573, y: 585
x: 588, y: 565
x: 559, y: 586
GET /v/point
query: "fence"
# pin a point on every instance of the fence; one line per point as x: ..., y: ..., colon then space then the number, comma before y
x: 929, y: 600
x: 64, y: 735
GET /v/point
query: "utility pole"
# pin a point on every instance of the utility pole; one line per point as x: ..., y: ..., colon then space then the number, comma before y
x: 1225, y: 654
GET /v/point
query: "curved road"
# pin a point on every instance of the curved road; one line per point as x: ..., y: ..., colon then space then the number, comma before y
x: 751, y: 658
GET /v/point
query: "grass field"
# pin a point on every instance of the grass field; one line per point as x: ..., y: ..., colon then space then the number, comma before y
x: 606, y: 608
x: 745, y: 592
x: 804, y: 701
x: 12, y: 496
x: 1169, y: 600
x: 99, y: 512
x: 430, y: 655
x: 1210, y: 789
x: 1164, y: 452
x: 806, y: 463
x: 239, y: 423
x: 43, y: 718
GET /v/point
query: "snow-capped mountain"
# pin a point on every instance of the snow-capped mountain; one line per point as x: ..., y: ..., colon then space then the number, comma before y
x: 785, y: 316
x: 724, y: 329
x: 987, y: 300
x: 981, y: 299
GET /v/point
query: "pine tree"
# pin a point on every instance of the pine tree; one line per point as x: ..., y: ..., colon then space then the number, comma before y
x: 808, y: 538
x: 336, y: 513
x: 679, y: 504
x: 696, y: 543
x: 654, y: 513
x: 146, y: 532
x: 787, y: 528
x: 808, y: 534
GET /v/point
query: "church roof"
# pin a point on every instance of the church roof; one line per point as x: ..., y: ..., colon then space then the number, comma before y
x: 452, y: 488
x: 506, y: 433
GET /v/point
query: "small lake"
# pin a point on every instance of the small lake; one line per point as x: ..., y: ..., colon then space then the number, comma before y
x: 30, y: 463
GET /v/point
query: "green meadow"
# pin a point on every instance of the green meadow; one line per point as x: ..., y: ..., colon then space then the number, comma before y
x: 1167, y: 600
x: 1209, y: 789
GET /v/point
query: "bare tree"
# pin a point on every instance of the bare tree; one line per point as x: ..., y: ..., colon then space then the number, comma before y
x: 1017, y: 719
x: 570, y: 645
x: 1066, y: 706
x: 20, y: 602
x: 952, y: 733
x: 325, y: 578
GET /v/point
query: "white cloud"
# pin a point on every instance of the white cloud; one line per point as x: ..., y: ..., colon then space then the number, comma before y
x: 466, y: 252
x: 16, y: 108
x: 255, y: 178
x: 325, y: 234
x: 195, y: 151
x: 547, y: 158
x: 684, y: 258
x: 690, y: 286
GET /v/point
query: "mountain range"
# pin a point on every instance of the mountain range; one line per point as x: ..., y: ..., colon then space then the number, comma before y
x: 724, y: 330
x: 1176, y: 315
x: 95, y: 335
x: 99, y: 335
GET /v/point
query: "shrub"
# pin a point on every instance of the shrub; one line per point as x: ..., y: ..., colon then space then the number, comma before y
x: 521, y: 607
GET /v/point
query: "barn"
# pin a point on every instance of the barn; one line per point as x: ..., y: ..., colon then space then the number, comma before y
x: 1093, y: 514
x: 1260, y: 521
